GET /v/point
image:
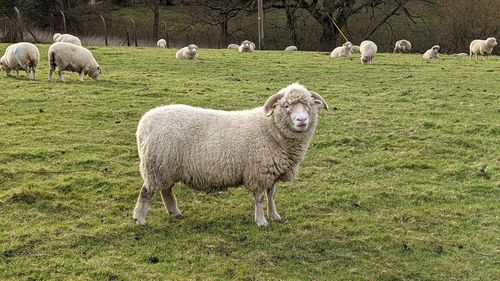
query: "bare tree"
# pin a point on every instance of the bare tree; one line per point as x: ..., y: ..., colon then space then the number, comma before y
x: 154, y: 5
x: 325, y: 12
x: 219, y: 13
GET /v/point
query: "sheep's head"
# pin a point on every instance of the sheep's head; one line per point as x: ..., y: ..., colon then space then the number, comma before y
x: 365, y: 60
x: 436, y: 49
x: 492, y: 41
x: 57, y: 35
x: 294, y: 108
x: 193, y: 49
x: 348, y: 45
x: 94, y: 73
x: 247, y: 45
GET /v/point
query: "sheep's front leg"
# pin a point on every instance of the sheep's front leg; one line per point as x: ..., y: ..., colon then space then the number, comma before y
x: 259, y: 209
x: 271, y: 206
x: 168, y: 197
x: 142, y: 205
x: 81, y: 76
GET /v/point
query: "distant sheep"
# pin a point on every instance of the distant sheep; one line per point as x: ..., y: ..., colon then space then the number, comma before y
x: 67, y: 38
x: 74, y: 58
x: 432, y: 53
x: 355, y: 49
x: 482, y: 47
x: 461, y: 55
x: 402, y: 46
x: 189, y: 53
x: 20, y: 56
x: 368, y: 50
x: 212, y: 150
x: 343, y: 51
x: 246, y: 46
x: 291, y: 49
x: 233, y: 46
x: 162, y: 43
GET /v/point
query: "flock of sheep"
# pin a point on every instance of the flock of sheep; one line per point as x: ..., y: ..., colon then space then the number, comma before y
x: 212, y: 150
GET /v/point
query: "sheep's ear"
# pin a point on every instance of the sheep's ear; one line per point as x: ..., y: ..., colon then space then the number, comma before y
x: 271, y: 103
x: 317, y: 98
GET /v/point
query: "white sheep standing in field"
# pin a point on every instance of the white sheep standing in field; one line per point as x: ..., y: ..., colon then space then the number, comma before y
x: 291, y: 49
x: 212, y: 150
x: 342, y: 51
x: 355, y: 49
x: 432, y: 53
x: 162, y: 43
x: 368, y: 50
x: 233, y: 46
x: 67, y: 56
x: 189, y: 53
x: 482, y: 47
x: 67, y: 38
x: 246, y: 46
x: 20, y: 56
x: 402, y: 46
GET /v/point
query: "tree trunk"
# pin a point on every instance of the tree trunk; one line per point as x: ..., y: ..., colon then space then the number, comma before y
x: 328, y: 39
x: 224, y: 34
x: 156, y: 18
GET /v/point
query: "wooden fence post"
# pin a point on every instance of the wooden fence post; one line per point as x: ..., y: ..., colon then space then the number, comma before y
x: 64, y: 21
x: 166, y: 33
x: 105, y: 30
x: 20, y: 22
x: 134, y: 31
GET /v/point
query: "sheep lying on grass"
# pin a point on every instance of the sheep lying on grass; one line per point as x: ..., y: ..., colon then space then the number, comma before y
x: 355, y: 49
x: 432, y: 53
x: 74, y: 58
x: 342, y: 51
x: 212, y: 150
x: 368, y: 50
x: 291, y: 49
x: 482, y: 47
x: 189, y: 53
x: 402, y: 46
x: 246, y: 46
x: 233, y: 46
x: 20, y: 56
x: 162, y: 43
x: 67, y: 38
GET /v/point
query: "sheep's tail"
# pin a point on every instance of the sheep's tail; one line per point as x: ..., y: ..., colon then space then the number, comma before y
x: 52, y: 59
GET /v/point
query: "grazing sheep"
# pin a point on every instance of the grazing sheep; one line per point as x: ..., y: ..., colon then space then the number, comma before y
x: 432, y: 53
x: 402, y: 46
x: 56, y: 35
x: 462, y: 55
x: 189, y: 53
x: 233, y: 46
x: 162, y: 43
x: 67, y: 56
x: 67, y: 38
x: 246, y: 46
x: 368, y: 50
x: 343, y: 51
x: 291, y: 49
x: 20, y: 56
x: 482, y: 47
x: 212, y: 150
x: 355, y: 49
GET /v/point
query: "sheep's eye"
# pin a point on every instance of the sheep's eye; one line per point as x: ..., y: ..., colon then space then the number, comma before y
x: 286, y: 106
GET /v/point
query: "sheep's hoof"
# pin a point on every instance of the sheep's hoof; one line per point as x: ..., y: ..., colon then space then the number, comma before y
x: 175, y: 214
x: 140, y: 221
x: 262, y: 224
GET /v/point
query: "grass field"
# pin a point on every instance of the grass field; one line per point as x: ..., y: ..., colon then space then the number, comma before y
x: 401, y: 181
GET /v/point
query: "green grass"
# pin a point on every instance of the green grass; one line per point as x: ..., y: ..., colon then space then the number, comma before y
x: 401, y: 181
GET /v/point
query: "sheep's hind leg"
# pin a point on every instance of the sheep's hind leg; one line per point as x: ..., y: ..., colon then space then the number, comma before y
x: 81, y: 76
x: 52, y: 69
x: 259, y: 209
x: 168, y: 197
x: 142, y: 205
x: 271, y: 205
x: 61, y: 76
